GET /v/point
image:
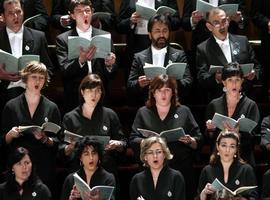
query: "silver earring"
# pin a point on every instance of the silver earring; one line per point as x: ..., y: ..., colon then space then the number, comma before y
x: 224, y: 89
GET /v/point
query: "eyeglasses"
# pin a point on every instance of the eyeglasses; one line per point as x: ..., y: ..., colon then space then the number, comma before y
x: 82, y: 11
x: 154, y: 153
x: 218, y: 24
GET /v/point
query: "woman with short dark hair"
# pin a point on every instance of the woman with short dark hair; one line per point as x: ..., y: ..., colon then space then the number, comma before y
x: 89, y: 152
x: 233, y: 103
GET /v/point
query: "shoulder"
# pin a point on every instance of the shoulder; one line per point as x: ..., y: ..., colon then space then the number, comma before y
x: 34, y: 32
x: 49, y: 102
x: 14, y: 102
x: 3, y: 186
x: 175, y: 173
x: 203, y: 44
x: 238, y: 37
x: 107, y: 176
x: 245, y: 167
x: 176, y: 51
x: 65, y: 34
x: 139, y: 176
x: 98, y: 31
x: 142, y: 54
x: 143, y: 110
x: 248, y: 101
x: 73, y: 113
x: 42, y: 189
x: 108, y: 111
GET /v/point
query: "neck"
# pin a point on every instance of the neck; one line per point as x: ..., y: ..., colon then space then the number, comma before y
x: 83, y: 29
x: 233, y: 98
x: 155, y: 172
x: 226, y: 164
x: 89, y: 174
x: 163, y: 108
x: 32, y: 95
x: 19, y: 181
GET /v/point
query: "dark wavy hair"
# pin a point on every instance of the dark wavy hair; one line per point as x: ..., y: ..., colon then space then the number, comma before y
x: 214, y: 158
x: 157, y: 83
x: 85, y: 142
x: 74, y: 3
x: 231, y: 69
x: 159, y: 18
x: 91, y: 81
x: 16, y: 156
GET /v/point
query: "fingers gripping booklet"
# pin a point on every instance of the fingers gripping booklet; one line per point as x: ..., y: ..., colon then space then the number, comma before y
x: 204, y: 7
x: 101, y: 42
x: 246, y: 68
x: 175, y: 70
x: 217, y: 185
x: 69, y: 136
x: 171, y: 135
x: 14, y: 64
x: 105, y: 192
x: 147, y: 12
x: 245, y: 124
x: 46, y: 127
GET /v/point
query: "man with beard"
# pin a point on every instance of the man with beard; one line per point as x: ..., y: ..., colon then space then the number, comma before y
x: 219, y: 50
x: 160, y: 54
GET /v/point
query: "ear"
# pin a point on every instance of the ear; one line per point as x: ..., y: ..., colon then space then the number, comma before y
x: 217, y: 147
x: 149, y: 35
x: 82, y: 92
x: 209, y: 26
x: 3, y: 17
x: 72, y: 16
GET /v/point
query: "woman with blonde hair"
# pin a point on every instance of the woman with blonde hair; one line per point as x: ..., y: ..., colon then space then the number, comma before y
x: 158, y: 180
x: 32, y: 108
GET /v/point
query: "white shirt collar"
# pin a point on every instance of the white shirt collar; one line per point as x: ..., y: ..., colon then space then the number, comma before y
x: 226, y: 41
x: 18, y: 34
x: 87, y: 33
x: 158, y: 51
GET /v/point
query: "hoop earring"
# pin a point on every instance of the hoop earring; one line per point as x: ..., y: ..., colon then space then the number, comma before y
x: 224, y: 89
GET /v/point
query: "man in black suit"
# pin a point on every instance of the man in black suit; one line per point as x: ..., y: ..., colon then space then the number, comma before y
x: 135, y: 27
x: 260, y: 13
x: 194, y: 21
x: 75, y: 70
x: 219, y: 50
x: 18, y: 40
x: 159, y: 53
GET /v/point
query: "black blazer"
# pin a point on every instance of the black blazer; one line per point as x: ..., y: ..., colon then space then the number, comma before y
x: 209, y: 53
x: 34, y: 42
x: 72, y: 72
x: 137, y: 43
x: 201, y: 33
x: 145, y: 56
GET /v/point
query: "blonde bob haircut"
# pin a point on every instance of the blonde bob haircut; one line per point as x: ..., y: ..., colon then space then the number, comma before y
x: 35, y: 67
x: 148, y: 142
